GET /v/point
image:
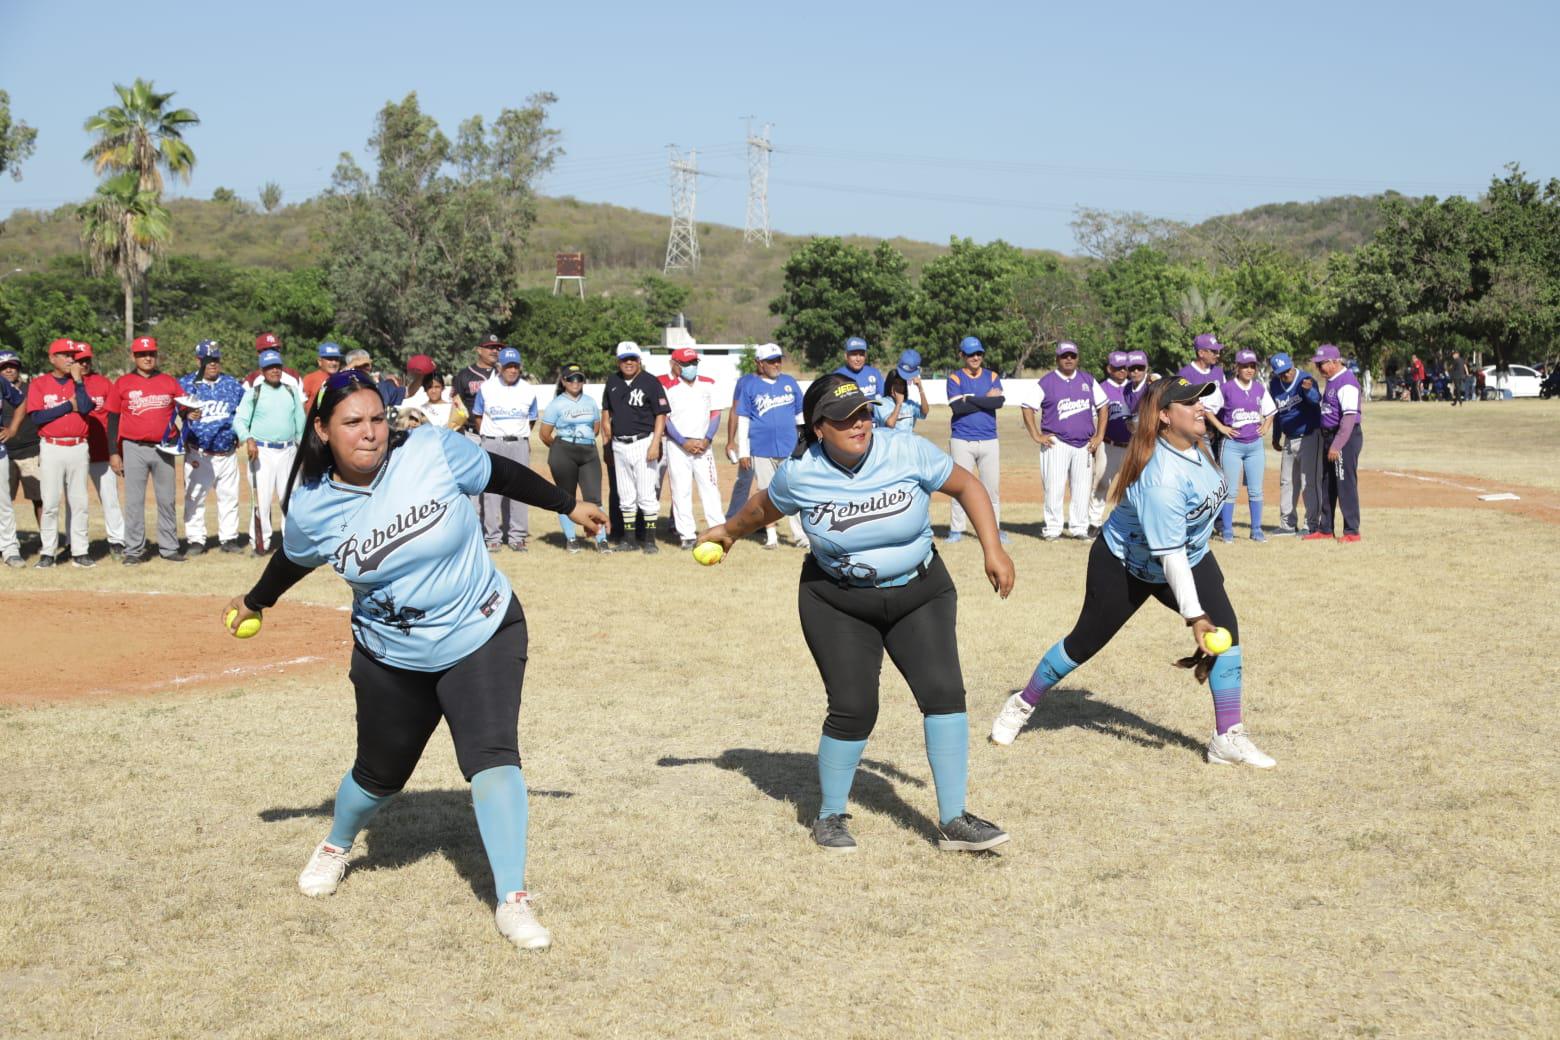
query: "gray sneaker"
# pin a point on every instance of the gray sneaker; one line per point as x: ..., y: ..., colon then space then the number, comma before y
x: 15, y: 561
x: 195, y: 548
x: 970, y: 833
x: 648, y: 546
x: 829, y: 833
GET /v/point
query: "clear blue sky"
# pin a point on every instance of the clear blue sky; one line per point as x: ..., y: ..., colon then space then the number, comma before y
x: 926, y: 120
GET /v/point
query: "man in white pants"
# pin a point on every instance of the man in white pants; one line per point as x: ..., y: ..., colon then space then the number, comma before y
x: 691, y: 426
x: 974, y: 395
x: 59, y: 406
x: 1073, y: 412
x: 633, y: 419
x: 211, y: 456
x: 102, y: 478
x: 270, y: 422
x: 1118, y: 432
x: 505, y: 410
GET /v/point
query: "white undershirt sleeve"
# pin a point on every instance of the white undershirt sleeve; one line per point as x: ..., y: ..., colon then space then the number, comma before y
x: 743, y: 448
x: 1178, y: 572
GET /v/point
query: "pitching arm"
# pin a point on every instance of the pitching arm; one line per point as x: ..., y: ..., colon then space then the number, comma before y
x: 280, y: 574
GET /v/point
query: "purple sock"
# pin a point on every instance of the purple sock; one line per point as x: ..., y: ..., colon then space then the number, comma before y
x: 1225, y: 681
x: 1053, y: 667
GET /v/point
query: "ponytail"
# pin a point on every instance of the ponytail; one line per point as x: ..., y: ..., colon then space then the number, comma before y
x: 1145, y: 436
x: 810, y: 401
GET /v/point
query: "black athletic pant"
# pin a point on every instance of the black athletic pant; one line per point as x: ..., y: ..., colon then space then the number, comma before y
x: 1111, y: 596
x: 1338, y: 483
x: 576, y: 467
x: 398, y: 709
x: 847, y: 629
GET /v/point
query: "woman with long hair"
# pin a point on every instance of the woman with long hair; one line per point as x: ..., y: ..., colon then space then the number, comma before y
x: 873, y: 582
x: 1155, y: 543
x: 1244, y: 415
x: 437, y: 631
x: 569, y: 426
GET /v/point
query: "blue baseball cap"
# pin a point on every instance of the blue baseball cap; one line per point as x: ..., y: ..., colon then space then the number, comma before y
x: 330, y: 350
x: 971, y: 345
x: 910, y: 364
x: 509, y: 356
x: 10, y: 357
x: 1280, y: 363
x: 854, y: 344
x: 270, y: 358
x: 207, y: 350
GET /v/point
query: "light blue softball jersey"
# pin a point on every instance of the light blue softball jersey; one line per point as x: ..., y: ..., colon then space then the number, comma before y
x: 909, y: 415
x: 869, y: 525
x: 573, y: 418
x: 1171, y: 506
x: 425, y: 593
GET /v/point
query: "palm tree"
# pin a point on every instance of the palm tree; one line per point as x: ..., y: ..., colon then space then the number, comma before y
x: 143, y: 135
x: 1196, y: 309
x: 124, y: 227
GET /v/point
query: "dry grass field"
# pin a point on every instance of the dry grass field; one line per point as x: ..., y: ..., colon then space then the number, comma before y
x: 1394, y: 876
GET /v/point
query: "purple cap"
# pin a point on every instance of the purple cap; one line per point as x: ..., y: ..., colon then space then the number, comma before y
x: 1245, y: 357
x: 1326, y: 352
x: 1207, y: 341
x: 1066, y: 346
x: 1137, y: 357
x: 1117, y: 359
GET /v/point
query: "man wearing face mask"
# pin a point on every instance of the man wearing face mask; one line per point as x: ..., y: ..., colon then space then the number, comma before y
x: 691, y: 427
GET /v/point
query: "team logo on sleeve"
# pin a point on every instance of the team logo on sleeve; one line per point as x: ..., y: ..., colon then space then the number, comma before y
x: 842, y: 516
x: 372, y: 550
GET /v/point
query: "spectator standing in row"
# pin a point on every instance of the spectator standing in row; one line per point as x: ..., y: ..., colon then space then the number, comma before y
x: 439, y: 409
x: 1297, y: 441
x: 1118, y: 433
x: 99, y: 474
x: 270, y: 422
x: 12, y: 397
x: 974, y: 395
x: 769, y: 410
x: 1138, y: 382
x: 290, y: 376
x: 59, y: 405
x: 1205, y: 367
x: 141, y: 411
x: 505, y: 408
x: 742, y: 486
x: 211, y: 450
x: 1416, y: 375
x: 396, y: 392
x: 896, y: 411
x: 467, y: 382
x: 634, y: 410
x: 328, y: 357
x: 20, y: 437
x: 1243, y: 415
x: 857, y: 370
x: 569, y: 426
x: 1457, y: 373
x: 1073, y: 411
x: 691, y: 424
x: 1338, y: 485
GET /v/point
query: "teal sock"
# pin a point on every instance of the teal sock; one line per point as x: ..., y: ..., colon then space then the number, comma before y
x: 354, y: 808
x: 1224, y: 680
x: 948, y: 751
x: 499, y: 798
x: 567, y: 525
x: 837, y: 761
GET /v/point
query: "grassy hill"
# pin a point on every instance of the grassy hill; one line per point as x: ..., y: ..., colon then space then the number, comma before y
x: 1307, y: 229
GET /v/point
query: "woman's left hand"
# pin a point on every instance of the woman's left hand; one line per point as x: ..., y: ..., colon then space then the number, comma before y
x: 999, y: 570
x: 589, y: 516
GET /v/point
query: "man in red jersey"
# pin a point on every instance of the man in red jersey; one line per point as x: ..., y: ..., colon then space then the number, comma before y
x: 141, y: 413
x: 59, y: 405
x: 99, y: 475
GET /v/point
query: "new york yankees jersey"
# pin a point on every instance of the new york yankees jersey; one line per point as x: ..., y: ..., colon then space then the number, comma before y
x: 633, y: 405
x: 1170, y: 506
x: 425, y: 593
x: 870, y: 524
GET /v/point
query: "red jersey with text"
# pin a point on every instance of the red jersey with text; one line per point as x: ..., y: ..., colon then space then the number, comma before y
x: 49, y: 390
x: 144, y: 405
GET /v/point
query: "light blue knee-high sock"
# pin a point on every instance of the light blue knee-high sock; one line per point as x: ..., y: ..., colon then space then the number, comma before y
x: 354, y: 808
x: 1224, y: 680
x: 1256, y: 514
x: 837, y: 761
x: 1052, y: 669
x: 1227, y: 518
x: 567, y: 525
x: 948, y: 752
x: 498, y: 795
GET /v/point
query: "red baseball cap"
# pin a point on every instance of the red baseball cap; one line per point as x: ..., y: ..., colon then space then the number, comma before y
x: 62, y: 346
x: 685, y: 355
x: 267, y: 341
x: 83, y: 350
x: 420, y: 363
x: 144, y: 345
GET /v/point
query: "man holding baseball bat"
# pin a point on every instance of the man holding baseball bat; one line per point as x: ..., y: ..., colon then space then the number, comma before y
x: 269, y: 421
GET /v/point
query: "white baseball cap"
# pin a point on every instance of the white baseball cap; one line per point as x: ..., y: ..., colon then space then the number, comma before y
x: 628, y: 348
x: 767, y: 351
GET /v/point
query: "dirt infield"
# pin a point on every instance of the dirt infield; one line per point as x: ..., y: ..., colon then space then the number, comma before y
x: 173, y: 643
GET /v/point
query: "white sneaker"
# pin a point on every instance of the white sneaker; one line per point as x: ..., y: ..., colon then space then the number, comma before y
x: 1011, y: 719
x: 322, y: 874
x: 516, y: 920
x: 1234, y: 748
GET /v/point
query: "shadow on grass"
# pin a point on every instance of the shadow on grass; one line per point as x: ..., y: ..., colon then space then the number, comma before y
x: 792, y: 776
x: 1078, y: 709
x: 417, y: 824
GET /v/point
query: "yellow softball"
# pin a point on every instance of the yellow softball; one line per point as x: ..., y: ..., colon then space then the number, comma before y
x: 709, y: 553
x: 248, y: 627
x: 1217, y: 641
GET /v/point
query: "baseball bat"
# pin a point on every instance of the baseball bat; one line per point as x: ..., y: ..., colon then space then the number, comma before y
x: 256, y: 538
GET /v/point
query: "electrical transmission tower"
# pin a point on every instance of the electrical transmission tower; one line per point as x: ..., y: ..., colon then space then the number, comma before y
x: 682, y: 245
x: 758, y: 149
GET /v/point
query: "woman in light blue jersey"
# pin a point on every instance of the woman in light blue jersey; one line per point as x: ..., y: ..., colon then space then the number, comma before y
x: 1155, y: 544
x: 896, y: 411
x: 569, y: 426
x: 872, y: 582
x: 437, y: 630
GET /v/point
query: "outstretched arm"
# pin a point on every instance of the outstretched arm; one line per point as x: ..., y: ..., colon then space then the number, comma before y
x: 280, y: 574
x: 523, y: 484
x: 759, y: 512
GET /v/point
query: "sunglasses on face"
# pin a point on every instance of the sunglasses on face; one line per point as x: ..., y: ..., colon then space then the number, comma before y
x: 574, y: 379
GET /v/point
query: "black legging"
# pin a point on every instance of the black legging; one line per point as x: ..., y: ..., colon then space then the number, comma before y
x: 847, y: 630
x: 576, y: 466
x: 398, y: 709
x: 1111, y: 596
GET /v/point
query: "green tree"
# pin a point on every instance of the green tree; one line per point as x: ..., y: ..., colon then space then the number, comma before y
x: 142, y: 135
x: 270, y: 196
x: 1054, y: 303
x: 1139, y: 295
x: 664, y: 299
x: 32, y: 317
x: 833, y: 290
x: 553, y: 330
x: 968, y: 291
x: 124, y: 227
x: 17, y: 140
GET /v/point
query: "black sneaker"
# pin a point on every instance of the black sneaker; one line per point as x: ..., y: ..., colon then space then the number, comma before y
x: 195, y: 549
x: 970, y: 833
x: 573, y: 545
x: 15, y: 561
x: 648, y: 546
x: 829, y: 833
x: 82, y: 561
x: 623, y: 545
x: 604, y: 547
x: 44, y: 562
x: 132, y: 560
x: 232, y: 546
x: 116, y: 551
x: 1093, y: 531
x: 521, y: 547
x: 174, y: 557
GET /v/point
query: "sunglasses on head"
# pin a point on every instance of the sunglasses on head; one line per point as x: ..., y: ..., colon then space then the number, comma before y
x: 341, y: 380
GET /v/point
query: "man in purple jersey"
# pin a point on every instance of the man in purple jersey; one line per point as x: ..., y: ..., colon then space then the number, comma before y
x: 1073, y: 411
x: 1118, y: 431
x: 1137, y: 382
x: 1337, y: 483
x: 1206, y: 368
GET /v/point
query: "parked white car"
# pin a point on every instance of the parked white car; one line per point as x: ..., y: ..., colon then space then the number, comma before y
x: 1521, y: 381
